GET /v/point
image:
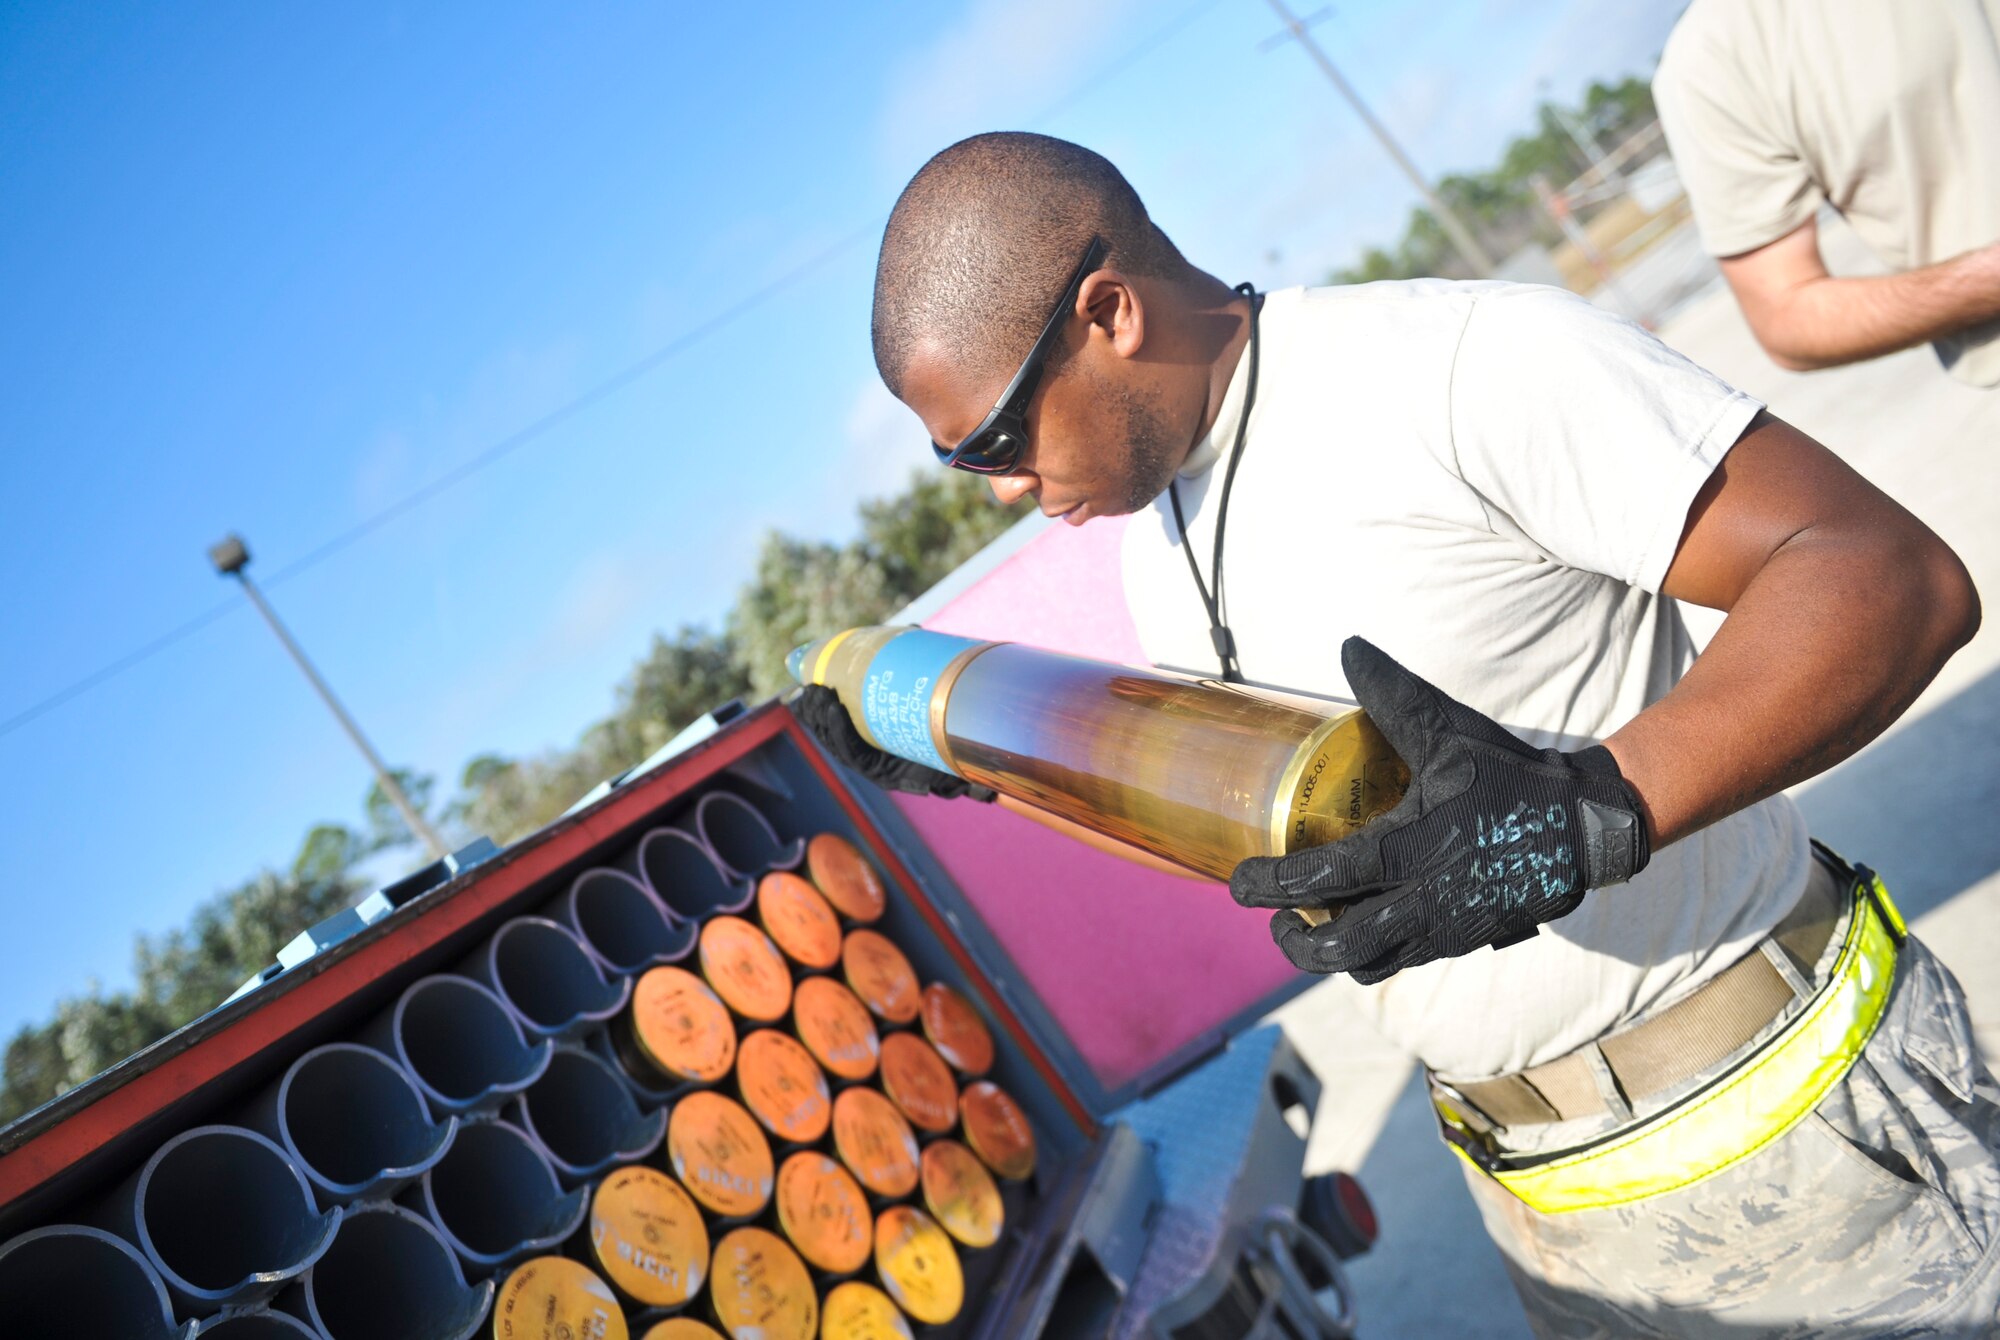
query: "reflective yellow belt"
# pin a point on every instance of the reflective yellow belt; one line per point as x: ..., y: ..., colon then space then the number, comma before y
x: 1742, y: 1111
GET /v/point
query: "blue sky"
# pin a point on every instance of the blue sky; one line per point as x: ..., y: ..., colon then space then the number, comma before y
x: 271, y: 268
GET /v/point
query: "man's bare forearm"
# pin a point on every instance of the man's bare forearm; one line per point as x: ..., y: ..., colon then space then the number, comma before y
x: 1828, y: 645
x: 1811, y: 320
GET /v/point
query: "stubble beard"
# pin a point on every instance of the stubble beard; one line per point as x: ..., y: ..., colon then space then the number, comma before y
x: 1150, y: 450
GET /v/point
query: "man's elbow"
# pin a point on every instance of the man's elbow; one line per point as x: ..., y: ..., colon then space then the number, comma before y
x: 1949, y: 602
x: 1791, y: 347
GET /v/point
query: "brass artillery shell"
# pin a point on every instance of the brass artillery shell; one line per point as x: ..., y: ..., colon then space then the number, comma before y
x: 919, y: 1083
x: 846, y: 877
x: 836, y: 1028
x: 647, y: 1237
x: 555, y: 1298
x: 782, y: 1086
x: 720, y: 1154
x: 875, y: 1142
x: 798, y: 920
x: 824, y: 1212
x: 997, y: 1130
x: 761, y: 1288
x: 680, y: 1027
x: 877, y: 971
x: 954, y: 1027
x: 961, y: 1195
x: 745, y: 969
x: 918, y: 1265
x: 857, y: 1311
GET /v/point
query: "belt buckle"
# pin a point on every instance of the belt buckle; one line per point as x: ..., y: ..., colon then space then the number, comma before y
x: 1477, y: 1146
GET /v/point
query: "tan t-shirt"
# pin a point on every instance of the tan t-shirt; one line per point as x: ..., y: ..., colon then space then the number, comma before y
x: 1887, y: 110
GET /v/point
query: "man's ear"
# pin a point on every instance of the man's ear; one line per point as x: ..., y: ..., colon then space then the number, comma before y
x: 1110, y: 302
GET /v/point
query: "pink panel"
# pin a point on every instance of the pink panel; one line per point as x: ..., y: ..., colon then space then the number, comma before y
x: 1134, y: 965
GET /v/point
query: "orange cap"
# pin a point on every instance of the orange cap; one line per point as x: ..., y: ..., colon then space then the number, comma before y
x: 745, y: 969
x: 846, y: 878
x: 681, y: 1026
x: 919, y: 1082
x: 961, y: 1195
x: 555, y: 1298
x: 875, y: 1142
x: 682, y: 1328
x: 880, y: 975
x: 823, y: 1210
x: 836, y: 1028
x: 720, y: 1154
x: 782, y: 1086
x: 761, y: 1288
x: 998, y: 1130
x: 798, y: 919
x: 918, y: 1265
x: 648, y: 1237
x: 954, y: 1027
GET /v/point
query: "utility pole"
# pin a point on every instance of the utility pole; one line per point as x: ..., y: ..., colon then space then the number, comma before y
x: 231, y: 557
x: 1454, y: 227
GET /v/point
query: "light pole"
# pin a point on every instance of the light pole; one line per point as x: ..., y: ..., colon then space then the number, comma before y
x: 231, y: 558
x: 1454, y: 227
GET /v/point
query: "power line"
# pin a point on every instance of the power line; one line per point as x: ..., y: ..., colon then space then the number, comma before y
x: 563, y: 413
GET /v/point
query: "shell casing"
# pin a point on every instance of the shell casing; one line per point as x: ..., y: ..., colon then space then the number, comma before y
x: 836, y: 1028
x: 997, y: 1130
x: 682, y: 1328
x: 918, y: 1265
x: 798, y: 920
x: 745, y: 969
x: 879, y: 973
x: 961, y: 1194
x: 824, y: 1212
x: 782, y: 1086
x: 858, y: 1311
x: 761, y: 1288
x: 720, y: 1154
x: 847, y: 878
x: 555, y: 1298
x: 647, y: 1237
x: 875, y: 1142
x: 953, y: 1026
x: 680, y: 1027
x: 919, y: 1083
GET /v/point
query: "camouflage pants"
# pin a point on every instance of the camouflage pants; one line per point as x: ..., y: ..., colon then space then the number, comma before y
x: 1877, y: 1216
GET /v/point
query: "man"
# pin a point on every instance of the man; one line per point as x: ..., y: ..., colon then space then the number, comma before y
x: 1887, y: 111
x: 1669, y: 1120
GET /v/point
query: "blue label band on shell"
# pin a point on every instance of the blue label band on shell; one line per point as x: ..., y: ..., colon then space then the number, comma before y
x: 896, y: 692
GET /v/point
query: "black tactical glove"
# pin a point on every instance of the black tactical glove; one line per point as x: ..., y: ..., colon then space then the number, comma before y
x: 820, y: 710
x: 1492, y: 839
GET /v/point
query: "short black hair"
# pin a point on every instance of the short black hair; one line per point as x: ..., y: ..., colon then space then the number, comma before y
x: 983, y: 238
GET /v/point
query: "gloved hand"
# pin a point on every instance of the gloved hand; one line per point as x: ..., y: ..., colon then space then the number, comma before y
x: 1492, y: 839
x: 820, y: 710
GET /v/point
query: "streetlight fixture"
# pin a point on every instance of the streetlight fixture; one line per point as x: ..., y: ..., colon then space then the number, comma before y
x: 231, y: 559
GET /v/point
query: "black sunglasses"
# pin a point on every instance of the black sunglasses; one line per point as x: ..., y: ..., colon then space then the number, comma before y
x: 995, y: 446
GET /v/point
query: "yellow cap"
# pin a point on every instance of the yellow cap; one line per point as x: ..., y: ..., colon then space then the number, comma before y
x: 682, y: 1328
x: 720, y: 1154
x: 555, y: 1298
x: 961, y: 1194
x: 857, y: 1311
x: 761, y: 1289
x: 648, y: 1236
x: 681, y: 1026
x: 918, y: 1265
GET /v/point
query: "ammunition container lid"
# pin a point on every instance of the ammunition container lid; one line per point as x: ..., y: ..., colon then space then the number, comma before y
x: 720, y: 1154
x: 954, y: 1027
x: 824, y: 1211
x: 682, y: 1328
x: 681, y: 1026
x: 746, y: 969
x: 782, y: 1086
x: 961, y: 1194
x: 836, y: 1028
x: 648, y: 1237
x: 875, y: 1142
x: 918, y: 1265
x: 997, y: 1130
x: 857, y: 1311
x: 847, y: 879
x: 761, y: 1289
x: 880, y: 975
x: 919, y: 1082
x: 798, y: 919
x: 555, y: 1298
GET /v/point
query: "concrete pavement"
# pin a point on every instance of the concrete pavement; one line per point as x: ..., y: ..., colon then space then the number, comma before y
x: 1922, y: 805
